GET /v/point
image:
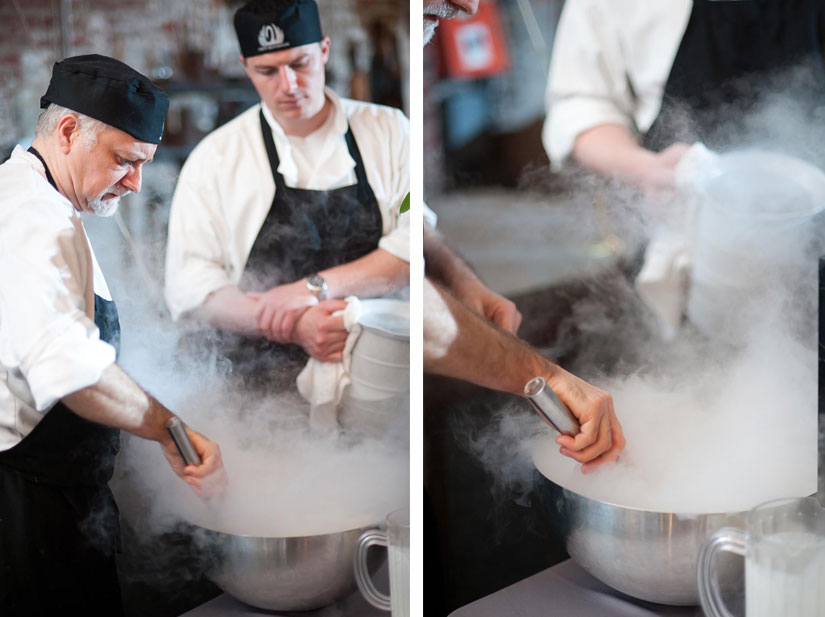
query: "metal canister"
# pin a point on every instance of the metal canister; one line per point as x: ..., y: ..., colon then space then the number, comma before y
x: 187, y: 451
x: 550, y: 407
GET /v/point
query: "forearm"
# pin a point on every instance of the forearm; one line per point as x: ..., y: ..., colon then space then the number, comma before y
x: 117, y: 401
x: 230, y: 309
x: 443, y: 264
x: 375, y: 274
x: 611, y: 149
x: 458, y: 343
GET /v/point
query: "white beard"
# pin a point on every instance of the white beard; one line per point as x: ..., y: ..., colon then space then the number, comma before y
x: 429, y: 30
x: 104, y: 207
x: 442, y: 10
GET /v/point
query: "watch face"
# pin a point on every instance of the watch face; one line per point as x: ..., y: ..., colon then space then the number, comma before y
x: 316, y: 283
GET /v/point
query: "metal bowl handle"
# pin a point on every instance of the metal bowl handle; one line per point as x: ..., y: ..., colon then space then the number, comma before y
x: 362, y: 576
x: 726, y: 539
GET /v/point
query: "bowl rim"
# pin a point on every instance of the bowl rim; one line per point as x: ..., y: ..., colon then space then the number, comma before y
x: 378, y: 525
x: 684, y: 513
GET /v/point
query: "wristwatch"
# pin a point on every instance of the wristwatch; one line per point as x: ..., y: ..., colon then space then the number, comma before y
x: 317, y: 286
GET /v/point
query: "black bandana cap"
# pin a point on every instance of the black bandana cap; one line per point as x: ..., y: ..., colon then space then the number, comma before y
x: 264, y: 26
x: 109, y: 91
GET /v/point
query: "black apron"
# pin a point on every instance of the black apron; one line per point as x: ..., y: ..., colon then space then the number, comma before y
x: 732, y: 52
x: 58, y: 520
x: 305, y: 231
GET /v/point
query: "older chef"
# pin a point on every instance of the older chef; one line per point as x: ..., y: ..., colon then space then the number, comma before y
x: 293, y: 205
x: 628, y: 78
x: 62, y: 396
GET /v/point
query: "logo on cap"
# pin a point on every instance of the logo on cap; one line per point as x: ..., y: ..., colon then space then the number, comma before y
x: 270, y: 37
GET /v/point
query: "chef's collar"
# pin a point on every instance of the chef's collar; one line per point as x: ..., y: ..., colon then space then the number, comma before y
x: 339, y: 123
x: 109, y: 91
x: 264, y: 26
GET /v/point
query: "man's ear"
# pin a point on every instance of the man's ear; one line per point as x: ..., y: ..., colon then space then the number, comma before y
x: 324, y: 43
x: 68, y: 130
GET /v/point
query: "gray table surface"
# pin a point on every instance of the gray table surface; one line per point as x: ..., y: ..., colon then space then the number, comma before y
x: 225, y: 605
x: 354, y: 605
x: 567, y: 590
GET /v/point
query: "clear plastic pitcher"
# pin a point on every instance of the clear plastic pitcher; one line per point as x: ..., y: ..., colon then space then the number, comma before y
x: 397, y: 540
x: 784, y: 548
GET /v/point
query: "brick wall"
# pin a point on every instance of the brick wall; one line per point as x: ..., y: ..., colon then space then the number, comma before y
x: 152, y: 36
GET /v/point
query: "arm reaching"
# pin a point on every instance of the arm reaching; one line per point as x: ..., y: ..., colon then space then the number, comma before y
x: 446, y: 267
x: 610, y: 149
x: 117, y: 401
x: 460, y: 344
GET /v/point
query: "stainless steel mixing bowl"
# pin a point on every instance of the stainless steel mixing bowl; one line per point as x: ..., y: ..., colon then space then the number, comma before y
x: 284, y: 574
x: 648, y: 555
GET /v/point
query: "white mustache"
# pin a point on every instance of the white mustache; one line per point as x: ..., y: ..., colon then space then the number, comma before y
x: 442, y: 11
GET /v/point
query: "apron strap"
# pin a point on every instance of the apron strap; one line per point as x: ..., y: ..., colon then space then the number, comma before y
x: 42, y: 160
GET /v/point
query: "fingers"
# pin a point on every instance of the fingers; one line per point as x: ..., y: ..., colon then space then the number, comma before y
x: 287, y: 324
x: 330, y: 306
x: 330, y: 350
x: 209, y: 478
x: 607, y: 447
x: 589, y: 448
x: 265, y: 318
x: 333, y: 325
x: 610, y: 456
x: 588, y: 434
x: 502, y: 312
x: 509, y: 318
x: 334, y: 357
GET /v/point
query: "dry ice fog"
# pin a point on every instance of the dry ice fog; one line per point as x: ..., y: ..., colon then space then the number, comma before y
x: 723, y: 416
x: 285, y: 478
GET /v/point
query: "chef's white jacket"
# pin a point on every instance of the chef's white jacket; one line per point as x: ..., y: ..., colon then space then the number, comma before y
x: 611, y: 60
x: 49, y: 344
x: 226, y: 187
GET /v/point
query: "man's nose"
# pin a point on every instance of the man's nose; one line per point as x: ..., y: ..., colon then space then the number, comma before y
x: 288, y: 79
x: 469, y: 6
x: 132, y: 180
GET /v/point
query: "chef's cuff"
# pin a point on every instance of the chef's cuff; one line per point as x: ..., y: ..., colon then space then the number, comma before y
x: 569, y: 118
x: 397, y: 242
x: 69, y: 356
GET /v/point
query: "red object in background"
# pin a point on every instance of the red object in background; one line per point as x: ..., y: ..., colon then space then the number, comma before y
x: 473, y: 46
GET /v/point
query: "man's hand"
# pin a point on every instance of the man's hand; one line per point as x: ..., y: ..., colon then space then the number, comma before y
x: 208, y: 478
x: 658, y: 175
x: 279, y: 309
x: 601, y: 438
x: 489, y: 304
x: 321, y: 334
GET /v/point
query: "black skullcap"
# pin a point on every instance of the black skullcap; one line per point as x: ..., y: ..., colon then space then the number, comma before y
x: 108, y: 90
x: 264, y: 26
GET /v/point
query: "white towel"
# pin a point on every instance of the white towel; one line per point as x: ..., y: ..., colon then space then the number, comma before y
x: 323, y: 383
x: 663, y: 281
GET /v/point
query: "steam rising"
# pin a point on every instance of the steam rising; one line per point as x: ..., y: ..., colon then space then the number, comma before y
x: 285, y: 480
x: 713, y: 423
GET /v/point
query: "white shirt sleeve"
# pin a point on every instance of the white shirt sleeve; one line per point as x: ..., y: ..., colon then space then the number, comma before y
x: 197, y: 253
x: 395, y: 237
x: 610, y: 63
x: 430, y: 217
x: 46, y: 334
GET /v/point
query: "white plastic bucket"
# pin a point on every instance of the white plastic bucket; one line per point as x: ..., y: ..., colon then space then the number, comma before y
x: 380, y: 370
x: 753, y: 223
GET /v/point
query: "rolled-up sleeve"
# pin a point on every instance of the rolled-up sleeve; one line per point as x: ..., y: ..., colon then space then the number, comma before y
x: 197, y: 251
x: 45, y: 332
x: 396, y: 237
x: 588, y: 84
